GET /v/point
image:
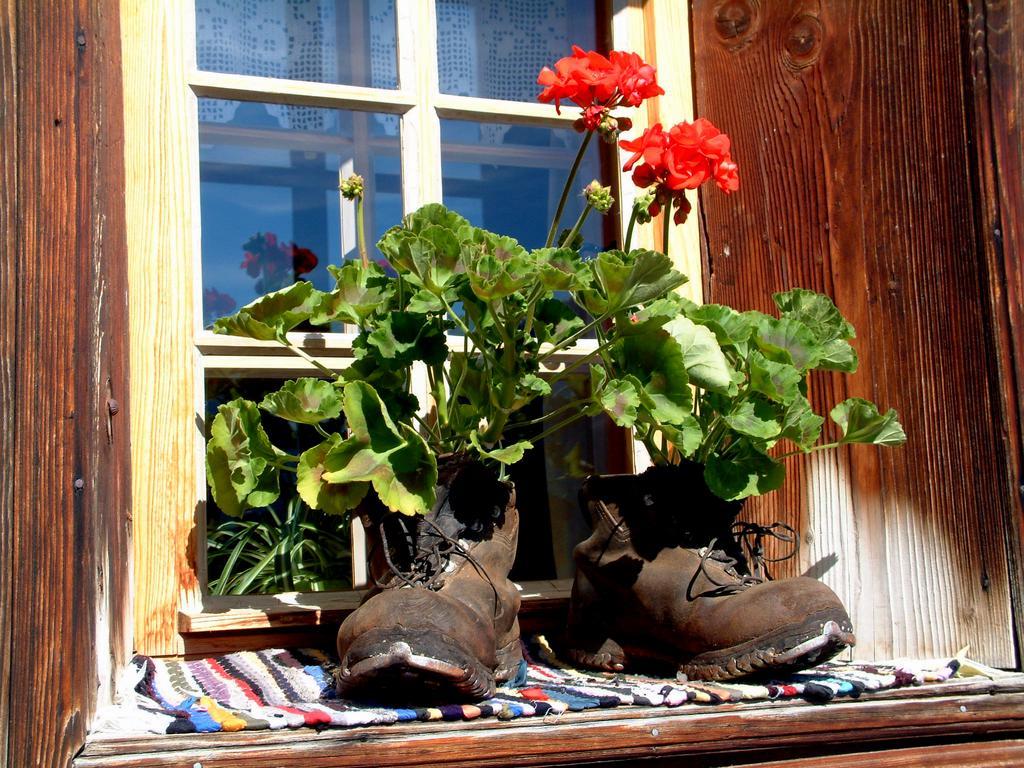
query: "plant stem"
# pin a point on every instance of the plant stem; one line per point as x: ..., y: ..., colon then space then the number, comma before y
x: 541, y: 419
x: 578, y: 225
x: 308, y: 358
x: 665, y: 224
x: 465, y: 330
x: 431, y: 433
x: 568, y: 342
x: 560, y: 425
x: 564, y: 373
x: 553, y: 232
x: 361, y: 233
x: 816, y: 448
x: 629, y: 230
x: 323, y: 432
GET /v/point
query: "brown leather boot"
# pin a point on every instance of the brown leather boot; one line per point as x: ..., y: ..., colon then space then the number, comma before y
x: 665, y: 580
x: 440, y: 622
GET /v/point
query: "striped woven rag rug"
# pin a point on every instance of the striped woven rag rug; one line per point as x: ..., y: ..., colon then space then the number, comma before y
x: 253, y: 690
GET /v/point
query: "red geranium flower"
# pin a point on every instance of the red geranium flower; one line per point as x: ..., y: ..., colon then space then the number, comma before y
x: 682, y: 158
x: 598, y: 84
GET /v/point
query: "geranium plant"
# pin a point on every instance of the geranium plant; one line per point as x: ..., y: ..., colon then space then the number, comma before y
x: 478, y: 313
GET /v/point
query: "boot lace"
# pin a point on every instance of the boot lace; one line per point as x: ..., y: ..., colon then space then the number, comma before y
x: 750, y: 537
x: 431, y: 560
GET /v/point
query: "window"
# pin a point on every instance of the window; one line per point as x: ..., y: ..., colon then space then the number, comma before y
x: 264, y: 105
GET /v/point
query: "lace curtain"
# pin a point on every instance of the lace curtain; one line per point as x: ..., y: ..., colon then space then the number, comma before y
x: 294, y: 40
x: 492, y: 48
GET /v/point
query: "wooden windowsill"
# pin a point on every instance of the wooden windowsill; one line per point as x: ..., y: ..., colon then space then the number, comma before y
x: 958, y: 710
x: 229, y: 623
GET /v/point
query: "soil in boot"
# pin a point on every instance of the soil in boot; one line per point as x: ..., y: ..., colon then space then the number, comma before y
x: 669, y: 580
x: 439, y: 625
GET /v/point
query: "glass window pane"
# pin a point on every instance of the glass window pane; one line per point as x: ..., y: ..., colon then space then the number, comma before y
x: 286, y: 547
x: 349, y: 42
x: 508, y: 178
x: 548, y: 480
x: 495, y: 48
x: 270, y: 207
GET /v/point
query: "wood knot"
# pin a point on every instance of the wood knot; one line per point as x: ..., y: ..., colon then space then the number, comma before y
x: 803, y: 41
x: 734, y: 22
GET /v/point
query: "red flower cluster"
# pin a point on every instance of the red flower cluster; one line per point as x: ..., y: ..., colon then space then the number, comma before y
x: 682, y: 158
x: 598, y: 84
x: 277, y: 262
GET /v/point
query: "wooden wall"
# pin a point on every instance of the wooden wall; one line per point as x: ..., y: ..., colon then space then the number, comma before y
x: 852, y: 126
x: 996, y: 72
x: 64, y: 468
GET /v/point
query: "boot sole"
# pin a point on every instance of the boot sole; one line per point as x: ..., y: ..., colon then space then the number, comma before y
x: 397, y: 665
x: 817, y: 639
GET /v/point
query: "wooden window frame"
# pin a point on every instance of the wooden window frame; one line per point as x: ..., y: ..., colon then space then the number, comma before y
x: 171, y: 354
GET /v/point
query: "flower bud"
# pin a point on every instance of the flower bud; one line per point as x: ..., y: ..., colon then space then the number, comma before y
x: 642, y: 206
x: 352, y: 187
x: 610, y: 127
x: 600, y: 198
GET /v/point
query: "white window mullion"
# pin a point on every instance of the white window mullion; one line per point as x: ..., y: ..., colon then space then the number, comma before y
x: 421, y: 127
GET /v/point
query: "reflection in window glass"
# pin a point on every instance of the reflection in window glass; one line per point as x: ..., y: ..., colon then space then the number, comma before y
x: 286, y: 547
x: 508, y: 178
x: 350, y: 42
x: 548, y: 480
x: 270, y: 207
x: 495, y: 48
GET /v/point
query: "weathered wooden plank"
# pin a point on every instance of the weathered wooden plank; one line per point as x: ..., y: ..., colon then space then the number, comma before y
x: 848, y: 122
x: 997, y: 754
x: 69, y: 458
x: 161, y: 190
x: 8, y: 337
x: 589, y: 737
x: 997, y: 84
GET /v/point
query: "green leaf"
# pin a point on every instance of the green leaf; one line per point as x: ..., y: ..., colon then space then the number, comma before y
x: 838, y: 355
x: 861, y: 422
x: 776, y: 381
x: 403, y: 337
x: 395, y: 459
x: 652, y: 276
x: 750, y: 474
x: 360, y: 291
x: 620, y: 401
x: 655, y: 359
x: 240, y: 460
x: 817, y: 312
x: 755, y: 417
x: 788, y: 341
x: 705, y: 363
x: 306, y: 400
x: 424, y: 302
x: 560, y: 269
x: 686, y: 437
x: 435, y: 214
x: 333, y: 498
x: 731, y: 328
x: 530, y: 386
x: 497, y: 266
x: 272, y: 315
x: 623, y: 280
x: 801, y: 424
x: 438, y: 264
x: 554, y: 321
x: 509, y: 454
